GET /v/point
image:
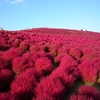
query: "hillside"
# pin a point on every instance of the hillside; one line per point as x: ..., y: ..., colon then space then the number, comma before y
x: 49, y: 64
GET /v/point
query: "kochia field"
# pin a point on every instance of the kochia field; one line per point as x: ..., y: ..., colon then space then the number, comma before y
x: 49, y: 64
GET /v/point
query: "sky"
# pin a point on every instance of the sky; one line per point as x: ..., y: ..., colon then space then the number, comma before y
x: 67, y: 14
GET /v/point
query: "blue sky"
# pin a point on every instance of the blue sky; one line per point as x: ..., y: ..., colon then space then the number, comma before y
x: 70, y: 14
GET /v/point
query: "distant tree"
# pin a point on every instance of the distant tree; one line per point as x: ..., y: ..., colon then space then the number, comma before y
x: 81, y: 29
x: 86, y: 30
x: 1, y: 29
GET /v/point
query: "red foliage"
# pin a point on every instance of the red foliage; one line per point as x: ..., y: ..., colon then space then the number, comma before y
x: 57, y: 45
x: 3, y: 41
x: 44, y: 65
x: 8, y: 96
x: 34, y: 48
x: 54, y: 52
x: 16, y: 43
x: 6, y: 77
x: 88, y: 72
x: 24, y: 46
x: 11, y: 53
x: 1, y: 53
x: 19, y: 64
x: 24, y: 84
x: 6, y: 47
x: 50, y: 86
x: 68, y: 60
x: 96, y: 63
x: 90, y: 91
x: 59, y: 57
x: 66, y: 77
x: 1, y: 47
x: 39, y: 54
x: 80, y: 97
x: 62, y: 50
x: 44, y: 97
x: 90, y: 53
x: 3, y: 63
x: 76, y: 53
x: 71, y: 69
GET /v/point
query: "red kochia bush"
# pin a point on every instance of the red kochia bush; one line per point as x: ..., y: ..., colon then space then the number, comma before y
x: 90, y: 53
x: 24, y: 84
x: 96, y: 63
x: 59, y: 58
x: 50, y: 86
x: 6, y: 77
x: 31, y: 57
x: 54, y: 51
x: 35, y: 56
x: 44, y: 97
x: 11, y: 53
x: 44, y: 47
x: 50, y: 56
x: 34, y: 48
x: 1, y: 47
x: 6, y: 47
x: 72, y: 70
x: 88, y: 72
x: 16, y: 42
x: 54, y: 45
x: 76, y: 53
x: 80, y: 97
x: 65, y: 76
x: 43, y: 64
x: 68, y: 60
x: 1, y: 53
x: 62, y: 50
x: 3, y: 41
x: 3, y: 63
x: 19, y: 64
x: 4, y: 96
x: 90, y: 91
x: 24, y: 46
x: 8, y: 96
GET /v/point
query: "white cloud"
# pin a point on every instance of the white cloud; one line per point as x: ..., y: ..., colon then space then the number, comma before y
x: 16, y: 1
